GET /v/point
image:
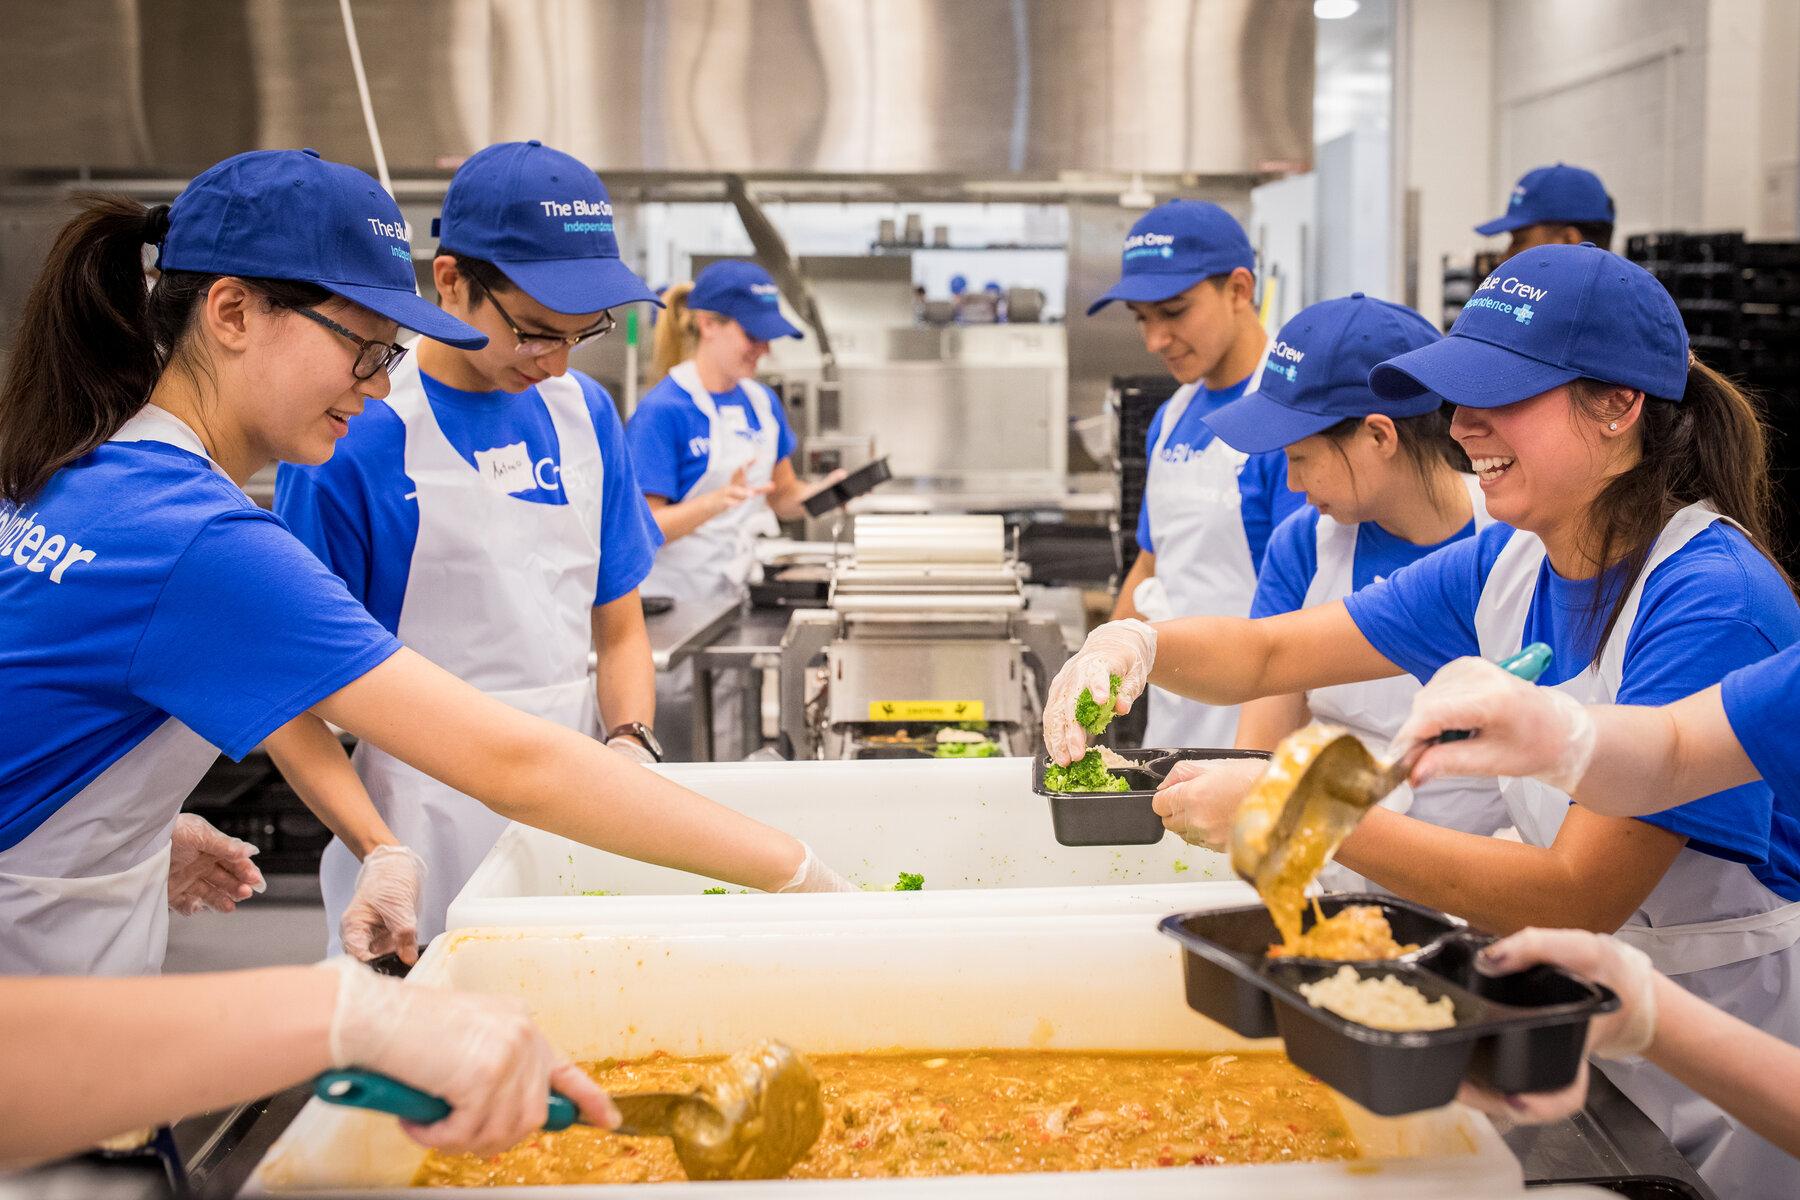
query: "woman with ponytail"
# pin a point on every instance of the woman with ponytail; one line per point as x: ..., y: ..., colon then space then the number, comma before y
x: 712, y: 447
x: 1633, y: 485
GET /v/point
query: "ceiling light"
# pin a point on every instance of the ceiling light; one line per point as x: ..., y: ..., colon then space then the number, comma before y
x: 1334, y: 10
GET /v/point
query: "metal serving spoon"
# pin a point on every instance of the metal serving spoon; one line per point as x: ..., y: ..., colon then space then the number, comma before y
x: 754, y: 1119
x: 1290, y: 824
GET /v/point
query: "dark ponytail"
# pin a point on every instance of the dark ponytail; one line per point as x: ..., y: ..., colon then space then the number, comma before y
x: 1711, y: 446
x: 93, y: 340
x: 1424, y: 439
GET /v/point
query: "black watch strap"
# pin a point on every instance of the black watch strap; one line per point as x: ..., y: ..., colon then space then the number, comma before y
x: 646, y: 737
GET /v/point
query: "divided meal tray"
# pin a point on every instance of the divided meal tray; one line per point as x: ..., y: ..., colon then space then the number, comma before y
x: 1524, y: 1032
x: 1119, y: 818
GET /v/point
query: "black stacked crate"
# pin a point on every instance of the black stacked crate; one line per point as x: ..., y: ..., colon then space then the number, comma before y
x: 1139, y: 396
x: 1740, y: 301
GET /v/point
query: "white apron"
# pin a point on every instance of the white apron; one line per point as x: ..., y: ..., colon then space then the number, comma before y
x: 1709, y: 923
x: 715, y: 559
x: 1202, y: 558
x: 713, y: 563
x: 1374, y: 710
x: 87, y: 892
x: 500, y: 592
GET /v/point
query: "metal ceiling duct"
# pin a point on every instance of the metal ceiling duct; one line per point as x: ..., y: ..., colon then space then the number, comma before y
x: 967, y: 87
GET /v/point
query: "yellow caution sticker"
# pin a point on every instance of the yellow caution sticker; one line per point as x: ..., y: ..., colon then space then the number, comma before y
x: 926, y: 710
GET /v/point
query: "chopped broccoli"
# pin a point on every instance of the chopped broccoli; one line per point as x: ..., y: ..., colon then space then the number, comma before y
x: 1085, y: 774
x: 966, y: 750
x: 909, y: 882
x: 1090, y: 715
x: 713, y: 891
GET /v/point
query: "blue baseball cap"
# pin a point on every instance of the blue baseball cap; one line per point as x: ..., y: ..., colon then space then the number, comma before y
x: 1317, y: 374
x: 289, y: 214
x: 1543, y: 318
x: 744, y: 292
x: 1174, y: 246
x: 1560, y: 194
x: 545, y: 220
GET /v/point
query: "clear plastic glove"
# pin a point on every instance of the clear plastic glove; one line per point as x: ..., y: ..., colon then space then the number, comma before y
x: 738, y: 489
x: 1624, y: 1033
x: 1123, y: 648
x: 208, y: 869
x: 482, y: 1054
x: 815, y: 876
x: 630, y: 748
x: 1521, y: 730
x: 1199, y: 800
x: 383, y: 914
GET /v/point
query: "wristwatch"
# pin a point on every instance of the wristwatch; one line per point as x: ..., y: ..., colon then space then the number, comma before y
x: 645, y: 735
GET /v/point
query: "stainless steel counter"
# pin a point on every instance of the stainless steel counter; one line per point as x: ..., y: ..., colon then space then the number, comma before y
x: 678, y: 633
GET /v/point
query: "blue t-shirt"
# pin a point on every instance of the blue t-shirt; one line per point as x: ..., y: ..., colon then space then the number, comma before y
x: 138, y: 586
x: 1292, y: 560
x: 671, y: 440
x: 359, y: 514
x: 1262, y: 484
x: 1760, y: 704
x: 1713, y: 606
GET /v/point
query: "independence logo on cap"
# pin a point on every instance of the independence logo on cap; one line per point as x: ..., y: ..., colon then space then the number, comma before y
x: 1174, y: 246
x: 546, y: 221
x: 747, y: 294
x: 1543, y: 318
x: 1560, y: 195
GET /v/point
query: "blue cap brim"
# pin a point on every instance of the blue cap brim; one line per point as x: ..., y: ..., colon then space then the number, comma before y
x: 1147, y: 289
x: 1508, y: 224
x: 766, y: 327
x: 1256, y: 424
x: 579, y: 285
x: 412, y: 311
x: 1468, y: 373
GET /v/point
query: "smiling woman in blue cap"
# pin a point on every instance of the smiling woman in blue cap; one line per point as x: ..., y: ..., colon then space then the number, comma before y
x: 1634, y: 488
x: 713, y: 453
x: 1386, y: 485
x: 1187, y: 273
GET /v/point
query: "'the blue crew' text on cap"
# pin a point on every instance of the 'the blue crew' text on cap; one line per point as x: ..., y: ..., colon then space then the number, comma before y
x: 546, y: 221
x: 744, y: 292
x: 1317, y: 374
x: 289, y: 214
x: 1174, y: 246
x: 1545, y: 317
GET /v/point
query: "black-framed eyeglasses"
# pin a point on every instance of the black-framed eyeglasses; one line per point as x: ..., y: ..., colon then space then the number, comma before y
x: 371, y: 356
x: 536, y: 345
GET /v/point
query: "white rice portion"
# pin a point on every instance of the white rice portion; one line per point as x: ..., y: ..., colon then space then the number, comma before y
x: 1380, y: 1001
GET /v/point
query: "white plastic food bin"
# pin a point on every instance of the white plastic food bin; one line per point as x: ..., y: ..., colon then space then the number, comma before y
x: 1071, y: 982
x: 965, y: 826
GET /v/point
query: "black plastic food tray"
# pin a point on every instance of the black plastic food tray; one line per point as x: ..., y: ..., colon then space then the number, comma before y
x: 1118, y: 818
x: 1516, y: 1033
x: 863, y: 479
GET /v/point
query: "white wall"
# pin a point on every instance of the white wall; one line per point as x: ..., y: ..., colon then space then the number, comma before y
x: 1689, y: 110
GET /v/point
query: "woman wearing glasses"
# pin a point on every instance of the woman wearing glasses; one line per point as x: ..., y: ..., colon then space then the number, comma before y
x: 151, y: 616
x: 485, y: 513
x: 712, y: 448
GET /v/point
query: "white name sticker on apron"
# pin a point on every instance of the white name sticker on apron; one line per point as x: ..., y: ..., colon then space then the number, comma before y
x: 507, y: 468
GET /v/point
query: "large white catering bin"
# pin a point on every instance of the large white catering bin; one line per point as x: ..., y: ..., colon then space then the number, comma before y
x: 964, y: 826
x: 1070, y: 982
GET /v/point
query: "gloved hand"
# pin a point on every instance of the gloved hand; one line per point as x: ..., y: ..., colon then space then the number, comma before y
x: 1521, y: 729
x: 208, y: 869
x: 482, y: 1054
x: 1122, y: 648
x: 1199, y: 800
x: 1626, y: 1032
x: 632, y: 749
x: 383, y: 915
x: 815, y: 876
